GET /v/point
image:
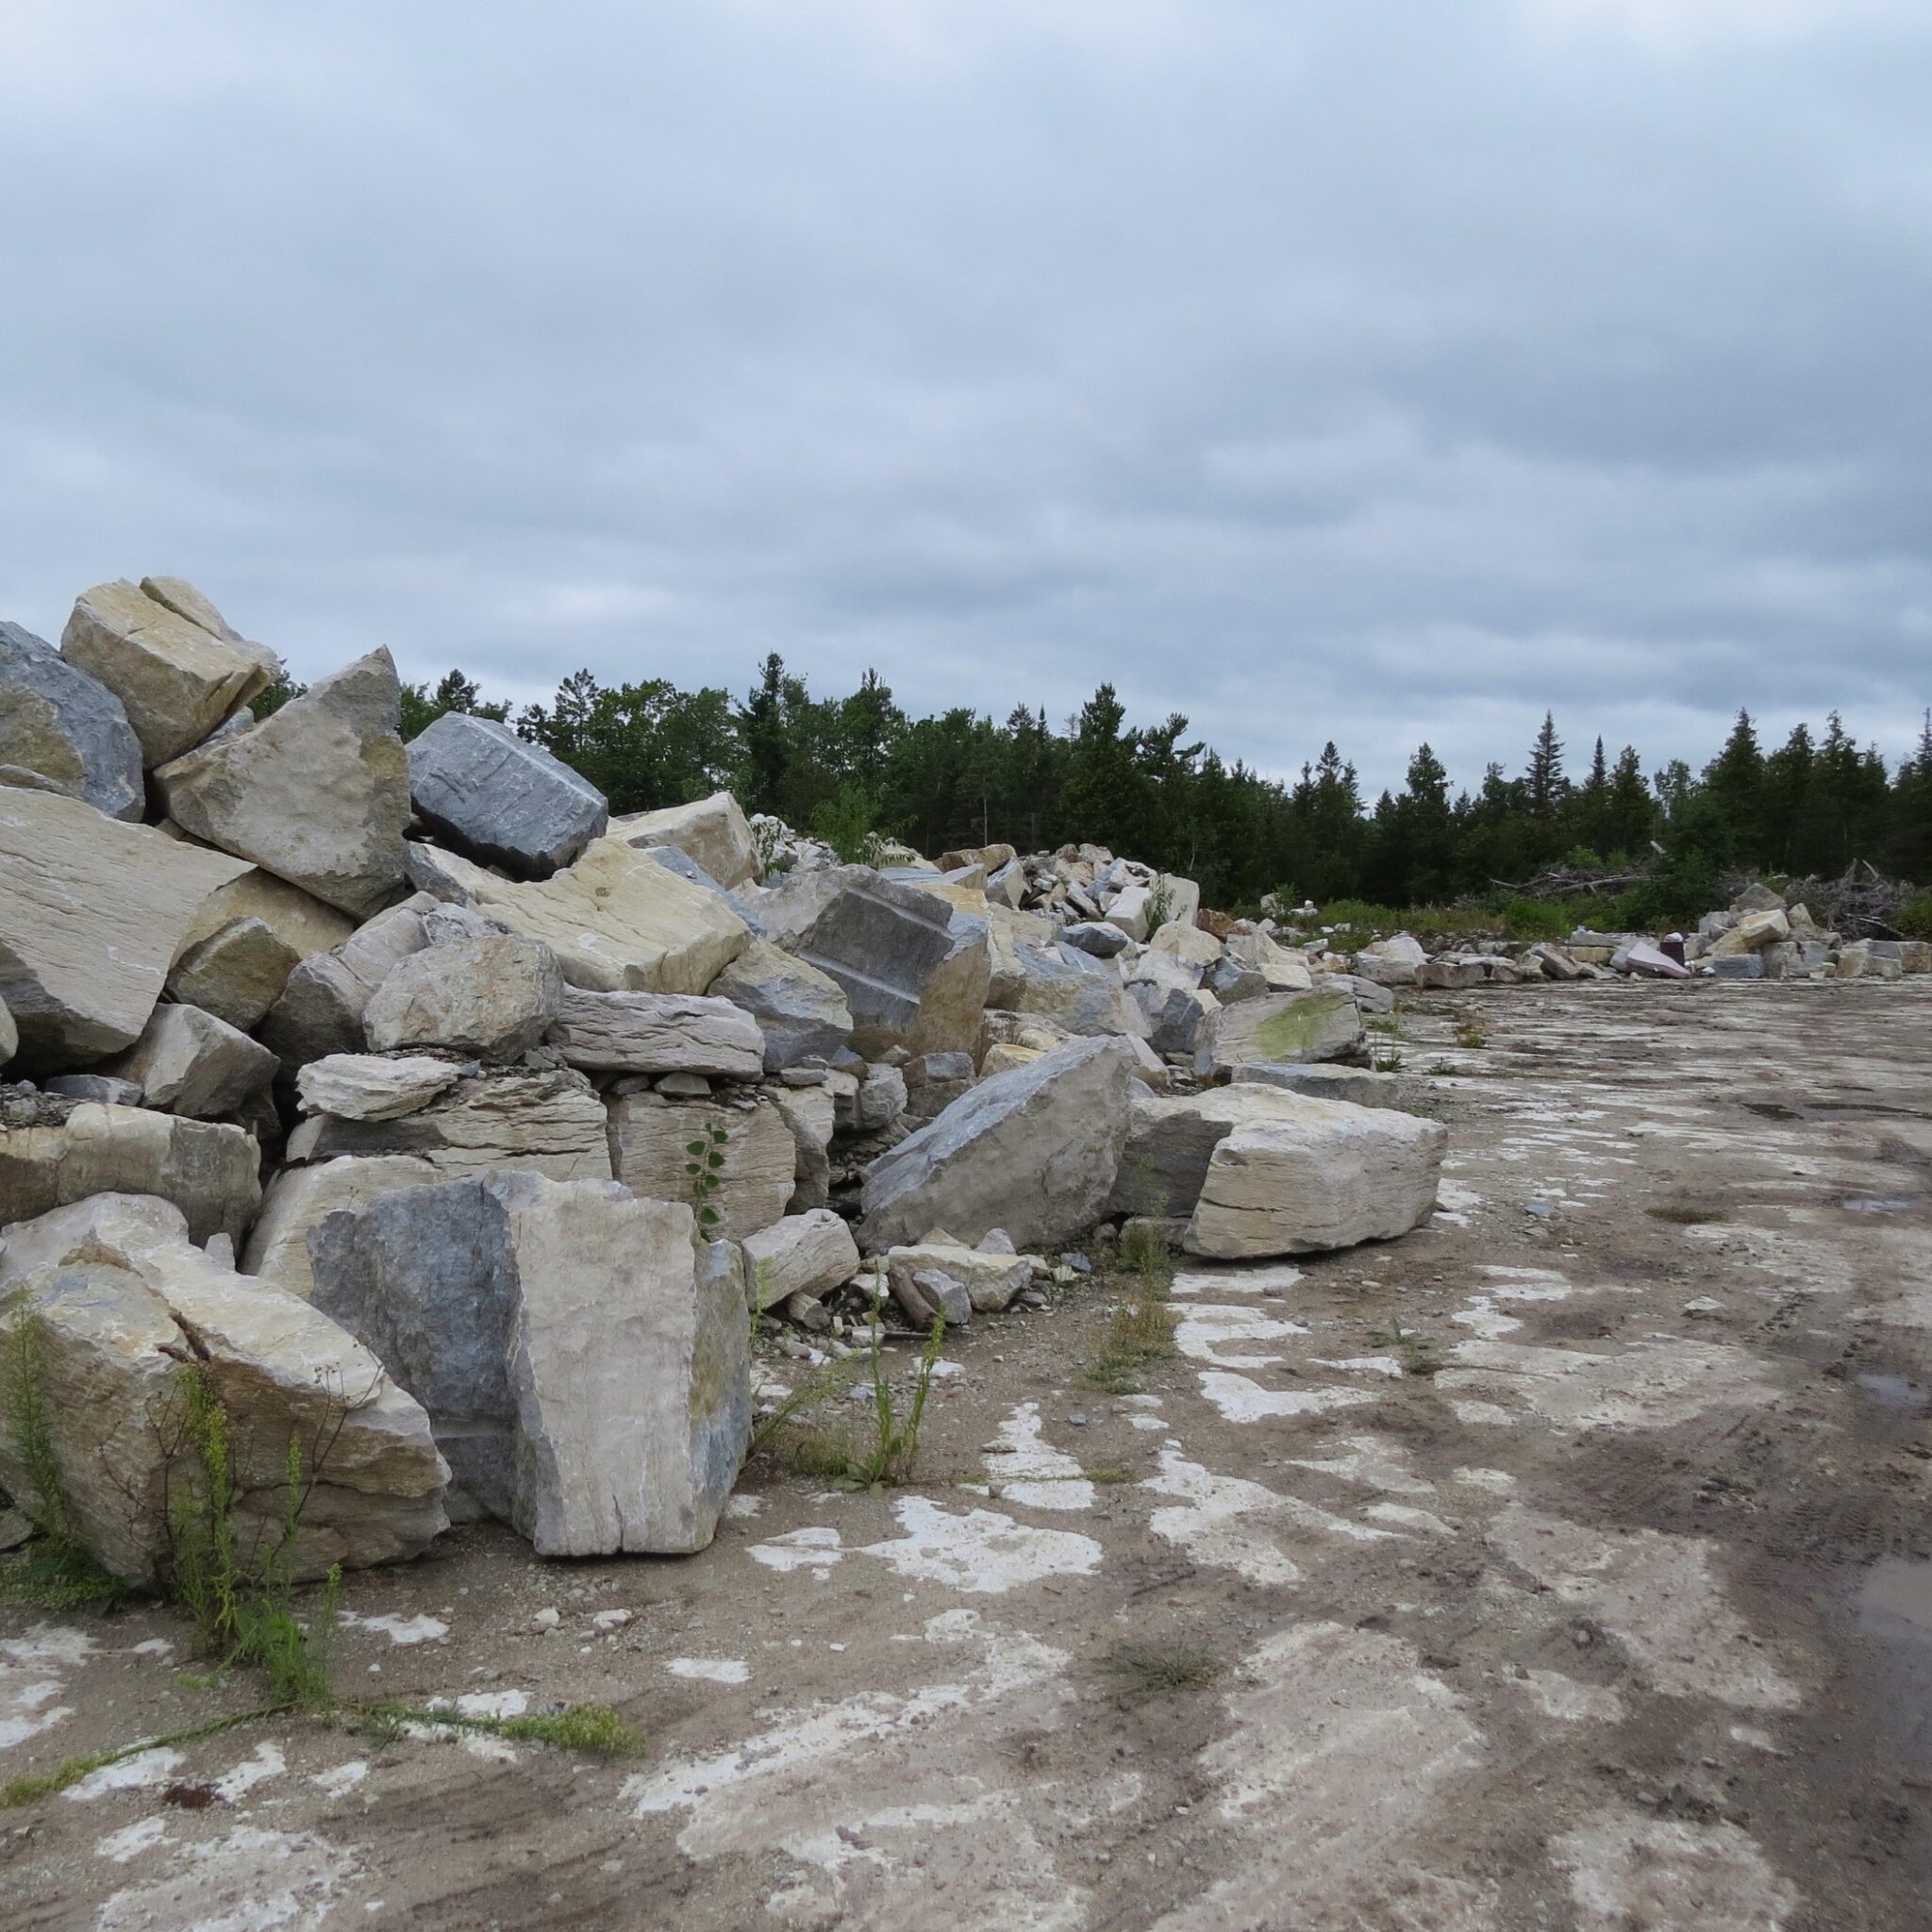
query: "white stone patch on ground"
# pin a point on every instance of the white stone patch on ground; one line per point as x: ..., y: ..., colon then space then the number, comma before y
x: 1241, y: 1399
x: 1497, y: 1482
x: 1656, y: 1596
x: 250, y: 1881
x: 1635, y: 1871
x: 50, y: 1646
x: 981, y: 1552
x: 1407, y: 1516
x: 1278, y: 1277
x: 1569, y: 1702
x: 1372, y: 1461
x: 1207, y: 1327
x: 1338, y: 1748
x: 815, y: 1548
x: 29, y: 1705
x: 709, y: 1670
x: 742, y: 1506
x: 885, y: 1796
x: 131, y: 1840
x: 341, y: 1779
x: 402, y: 1630
x: 1455, y: 1203
x: 1031, y: 1471
x: 141, y: 1772
x: 1653, y: 1385
x: 492, y: 1703
x: 1359, y: 1364
x: 266, y: 1762
x: 1482, y: 1414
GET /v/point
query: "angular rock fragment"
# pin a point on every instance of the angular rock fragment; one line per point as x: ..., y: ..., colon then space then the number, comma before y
x: 954, y: 999
x: 584, y: 1366
x: 91, y: 911
x: 712, y: 832
x: 116, y: 1297
x: 1358, y: 1085
x: 501, y: 798
x: 497, y: 996
x: 317, y: 794
x: 617, y: 920
x: 991, y: 1279
x: 189, y: 1062
x: 372, y: 1087
x: 1327, y: 1177
x: 1285, y: 971
x: 548, y: 1122
x: 800, y: 1012
x: 296, y: 1199
x: 209, y: 1170
x: 810, y: 1112
x: 61, y: 724
x: 1033, y: 1150
x: 657, y: 1033
x: 175, y: 679
x: 300, y: 920
x: 803, y: 1254
x: 1396, y: 961
x: 320, y: 1008
x: 651, y: 1137
x: 236, y: 973
x: 1324, y: 1024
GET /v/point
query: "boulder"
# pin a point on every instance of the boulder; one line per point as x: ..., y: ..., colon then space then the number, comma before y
x: 651, y: 1135
x: 317, y: 794
x: 1098, y: 937
x: 371, y: 1087
x: 501, y: 798
x: 297, y: 1198
x: 1739, y: 966
x: 1033, y: 1151
x: 210, y: 1171
x: 189, y: 1062
x: 1187, y: 943
x: 176, y: 678
x: 1176, y: 1016
x: 547, y: 1122
x: 800, y: 1012
x: 1753, y: 931
x: 1453, y: 973
x: 1396, y: 961
x: 1324, y: 1024
x: 61, y: 724
x: 617, y: 921
x: 990, y: 1279
x: 91, y: 911
x: 1032, y: 973
x: 236, y: 973
x: 1329, y: 1177
x: 300, y: 922
x: 1756, y: 898
x: 657, y: 1033
x: 1648, y: 962
x: 803, y: 1254
x: 497, y: 996
x: 120, y: 1299
x: 320, y: 1011
x: 1358, y: 1085
x: 9, y: 1036
x: 585, y: 1364
x: 879, y: 940
x: 876, y: 1100
x: 711, y: 832
x: 1284, y: 970
x: 811, y: 1114
x: 953, y: 1000
x: 1129, y: 910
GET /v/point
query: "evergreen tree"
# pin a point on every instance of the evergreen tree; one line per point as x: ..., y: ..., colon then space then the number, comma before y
x: 1545, y: 783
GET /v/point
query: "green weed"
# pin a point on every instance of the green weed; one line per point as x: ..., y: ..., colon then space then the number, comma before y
x: 1158, y: 1670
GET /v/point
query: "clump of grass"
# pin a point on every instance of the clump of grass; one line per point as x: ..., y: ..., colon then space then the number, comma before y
x: 1685, y: 1212
x: 593, y: 1728
x: 1417, y: 1351
x: 1470, y: 1034
x: 70, y: 1770
x: 1142, y: 1325
x: 1158, y: 1670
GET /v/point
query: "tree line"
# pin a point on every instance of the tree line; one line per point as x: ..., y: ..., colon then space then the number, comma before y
x: 844, y: 767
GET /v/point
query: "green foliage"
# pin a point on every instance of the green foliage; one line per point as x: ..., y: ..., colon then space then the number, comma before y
x: 1915, y: 922
x: 848, y: 822
x: 57, y: 1571
x: 70, y: 1770
x: 1417, y: 1351
x: 1141, y: 1327
x: 591, y: 1728
x: 707, y: 1160
x: 1158, y: 1670
x: 1159, y: 906
x: 280, y: 691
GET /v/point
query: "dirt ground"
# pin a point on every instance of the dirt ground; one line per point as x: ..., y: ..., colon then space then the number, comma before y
x: 1621, y: 1618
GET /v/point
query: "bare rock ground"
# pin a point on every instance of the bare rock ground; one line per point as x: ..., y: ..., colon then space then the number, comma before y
x: 1564, y: 1565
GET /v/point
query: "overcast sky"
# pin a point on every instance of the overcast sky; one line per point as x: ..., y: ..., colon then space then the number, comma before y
x: 1374, y: 370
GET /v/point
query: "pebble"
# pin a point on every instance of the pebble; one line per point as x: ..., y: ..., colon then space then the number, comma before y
x: 548, y: 1618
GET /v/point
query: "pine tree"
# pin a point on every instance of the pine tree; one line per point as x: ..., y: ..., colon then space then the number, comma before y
x: 1545, y: 782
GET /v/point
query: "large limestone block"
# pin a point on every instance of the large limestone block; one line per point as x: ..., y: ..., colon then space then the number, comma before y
x: 800, y: 1012
x: 501, y: 798
x: 113, y: 1294
x: 1176, y: 1016
x: 496, y: 995
x: 1188, y: 942
x: 1285, y: 971
x: 317, y: 794
x: 71, y: 730
x: 584, y: 1363
x: 374, y: 1087
x: 175, y: 679
x: 1396, y: 961
x: 9, y: 1036
x: 1031, y: 972
x: 1033, y: 1150
x: 803, y: 1254
x: 1328, y: 1177
x: 236, y: 973
x: 91, y: 911
x: 657, y: 1033
x: 651, y: 1135
x: 711, y: 831
x: 880, y: 939
x: 189, y: 1062
x: 1326, y: 1024
x: 617, y: 920
x: 812, y: 1115
x: 298, y: 1198
x: 322, y: 1004
x: 549, y: 1122
x: 1358, y: 1085
x: 300, y: 920
x: 953, y: 1002
x: 991, y: 1279
x: 1754, y: 931
x: 209, y: 1170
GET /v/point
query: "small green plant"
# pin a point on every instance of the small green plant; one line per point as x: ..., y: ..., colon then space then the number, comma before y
x: 1159, y: 904
x: 70, y: 1770
x: 1687, y: 1212
x: 1470, y: 1034
x: 1141, y: 1327
x: 1417, y: 1351
x: 1158, y: 1670
x: 57, y: 1571
x: 707, y: 1160
x: 767, y: 834
x: 1915, y: 918
x: 594, y: 1728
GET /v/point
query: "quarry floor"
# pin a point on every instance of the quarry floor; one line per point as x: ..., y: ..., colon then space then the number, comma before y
x: 1622, y: 1618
